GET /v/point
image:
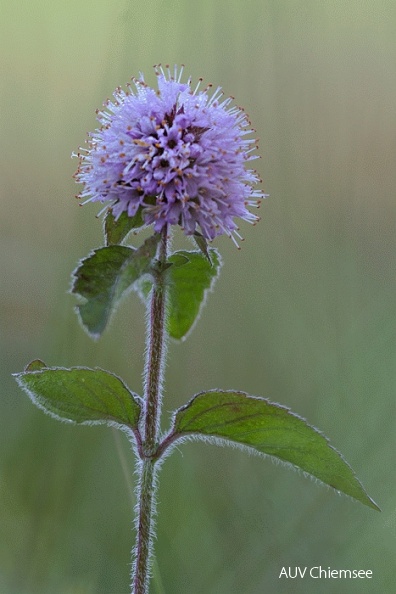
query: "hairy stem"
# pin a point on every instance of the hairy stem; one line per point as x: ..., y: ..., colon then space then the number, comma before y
x: 151, y: 420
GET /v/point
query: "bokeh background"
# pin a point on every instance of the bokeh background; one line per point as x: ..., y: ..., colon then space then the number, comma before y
x: 304, y: 314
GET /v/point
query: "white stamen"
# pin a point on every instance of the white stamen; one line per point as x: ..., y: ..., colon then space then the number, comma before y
x: 86, y: 201
x: 198, y: 85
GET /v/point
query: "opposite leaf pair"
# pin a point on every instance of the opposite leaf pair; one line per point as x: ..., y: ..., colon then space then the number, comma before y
x: 94, y: 396
x: 108, y: 273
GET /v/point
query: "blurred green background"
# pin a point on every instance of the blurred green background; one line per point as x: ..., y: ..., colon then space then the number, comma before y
x: 304, y: 314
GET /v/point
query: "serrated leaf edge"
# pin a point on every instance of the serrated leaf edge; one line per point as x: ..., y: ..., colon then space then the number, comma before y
x: 83, y: 300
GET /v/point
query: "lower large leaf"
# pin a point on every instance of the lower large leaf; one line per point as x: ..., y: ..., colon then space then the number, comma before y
x: 267, y: 428
x: 81, y: 395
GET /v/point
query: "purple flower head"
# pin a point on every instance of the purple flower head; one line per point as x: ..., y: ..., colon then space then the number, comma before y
x: 177, y: 154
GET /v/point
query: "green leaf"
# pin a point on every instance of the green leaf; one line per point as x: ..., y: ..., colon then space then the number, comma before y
x: 81, y: 395
x: 190, y: 276
x: 189, y: 280
x: 267, y: 428
x: 117, y: 230
x: 104, y: 276
x: 143, y: 288
x: 202, y: 244
x: 35, y: 365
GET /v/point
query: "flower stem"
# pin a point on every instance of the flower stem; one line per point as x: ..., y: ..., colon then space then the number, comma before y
x: 151, y: 419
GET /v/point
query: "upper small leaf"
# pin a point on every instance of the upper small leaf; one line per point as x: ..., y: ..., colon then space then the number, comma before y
x: 189, y: 279
x: 35, y: 365
x: 202, y: 244
x: 270, y: 429
x: 81, y: 395
x: 117, y: 230
x: 104, y: 276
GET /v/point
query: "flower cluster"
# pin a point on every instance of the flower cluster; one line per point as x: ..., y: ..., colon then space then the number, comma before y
x: 177, y: 154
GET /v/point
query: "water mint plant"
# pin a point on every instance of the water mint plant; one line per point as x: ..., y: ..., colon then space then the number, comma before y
x: 173, y: 157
